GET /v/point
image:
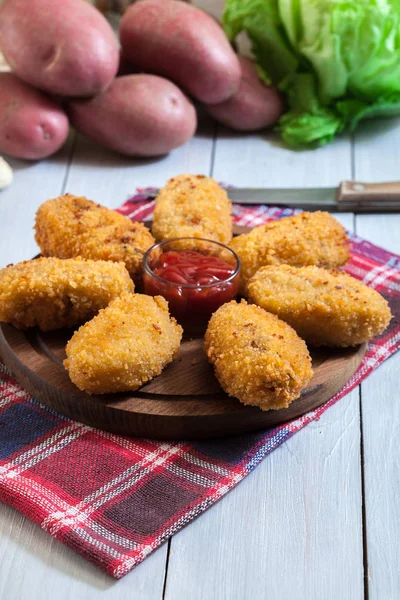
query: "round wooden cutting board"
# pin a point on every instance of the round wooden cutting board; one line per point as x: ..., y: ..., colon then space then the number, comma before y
x: 184, y: 402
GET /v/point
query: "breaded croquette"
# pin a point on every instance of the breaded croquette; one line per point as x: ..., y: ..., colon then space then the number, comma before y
x: 193, y: 206
x: 70, y: 226
x: 125, y: 345
x: 326, y: 308
x: 257, y: 358
x: 305, y: 239
x: 51, y: 293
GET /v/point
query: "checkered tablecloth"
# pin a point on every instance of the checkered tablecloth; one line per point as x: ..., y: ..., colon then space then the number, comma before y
x: 114, y: 499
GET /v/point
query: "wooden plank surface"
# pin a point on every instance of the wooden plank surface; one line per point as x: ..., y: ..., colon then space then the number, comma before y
x: 376, y: 157
x: 292, y: 529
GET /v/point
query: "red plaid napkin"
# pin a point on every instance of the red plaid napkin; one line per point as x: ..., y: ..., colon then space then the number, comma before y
x: 115, y: 499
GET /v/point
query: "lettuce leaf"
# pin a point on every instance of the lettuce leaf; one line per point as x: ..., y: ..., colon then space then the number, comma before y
x: 337, y: 61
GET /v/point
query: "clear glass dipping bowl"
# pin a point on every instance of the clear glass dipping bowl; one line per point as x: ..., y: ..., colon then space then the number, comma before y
x: 191, y: 304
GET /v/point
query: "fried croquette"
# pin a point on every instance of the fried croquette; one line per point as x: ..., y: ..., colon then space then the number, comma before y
x: 193, y: 206
x: 257, y: 358
x: 71, y: 226
x: 51, y: 293
x: 305, y: 239
x: 125, y: 345
x: 326, y: 308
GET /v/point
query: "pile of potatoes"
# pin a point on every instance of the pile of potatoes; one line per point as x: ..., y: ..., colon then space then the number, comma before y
x: 67, y: 68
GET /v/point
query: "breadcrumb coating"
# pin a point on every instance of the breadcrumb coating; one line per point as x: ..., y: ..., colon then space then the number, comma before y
x: 326, y: 308
x: 51, y: 293
x: 71, y: 226
x: 257, y: 358
x: 193, y: 206
x: 125, y: 345
x: 306, y: 239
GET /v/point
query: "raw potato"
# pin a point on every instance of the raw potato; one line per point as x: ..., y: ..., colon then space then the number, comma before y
x: 326, y: 308
x: 6, y: 174
x: 32, y: 126
x: 68, y: 47
x: 51, y: 293
x: 254, y: 105
x: 193, y: 206
x: 257, y: 358
x: 125, y: 345
x: 138, y: 115
x: 184, y: 44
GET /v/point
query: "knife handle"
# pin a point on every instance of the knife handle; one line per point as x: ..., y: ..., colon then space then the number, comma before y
x: 379, y: 197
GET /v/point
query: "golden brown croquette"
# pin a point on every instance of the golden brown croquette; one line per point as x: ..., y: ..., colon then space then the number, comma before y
x: 125, y: 345
x: 257, y: 358
x: 51, y: 293
x: 71, y: 226
x: 305, y: 239
x: 326, y: 308
x: 193, y: 206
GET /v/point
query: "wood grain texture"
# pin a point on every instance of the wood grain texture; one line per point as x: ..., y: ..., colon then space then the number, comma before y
x: 184, y: 402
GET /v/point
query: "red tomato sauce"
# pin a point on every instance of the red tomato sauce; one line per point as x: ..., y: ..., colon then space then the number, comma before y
x: 194, y: 284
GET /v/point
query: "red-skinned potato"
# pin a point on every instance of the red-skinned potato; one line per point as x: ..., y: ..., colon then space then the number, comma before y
x: 65, y: 47
x: 138, y: 115
x: 32, y: 126
x: 184, y: 44
x: 254, y: 106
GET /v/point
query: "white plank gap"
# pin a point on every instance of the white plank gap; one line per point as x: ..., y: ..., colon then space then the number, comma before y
x: 377, y: 156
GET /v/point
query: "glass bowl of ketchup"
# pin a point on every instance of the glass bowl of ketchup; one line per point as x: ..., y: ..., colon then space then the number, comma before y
x: 196, y: 276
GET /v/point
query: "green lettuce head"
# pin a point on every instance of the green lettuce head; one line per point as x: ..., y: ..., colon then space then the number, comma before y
x: 337, y: 62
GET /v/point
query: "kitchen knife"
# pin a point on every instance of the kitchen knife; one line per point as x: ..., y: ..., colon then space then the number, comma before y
x: 351, y: 196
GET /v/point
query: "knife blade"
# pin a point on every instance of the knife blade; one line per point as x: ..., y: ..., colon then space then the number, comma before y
x: 307, y: 199
x: 351, y: 196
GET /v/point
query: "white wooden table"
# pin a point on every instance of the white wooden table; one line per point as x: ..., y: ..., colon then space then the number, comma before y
x: 319, y: 519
